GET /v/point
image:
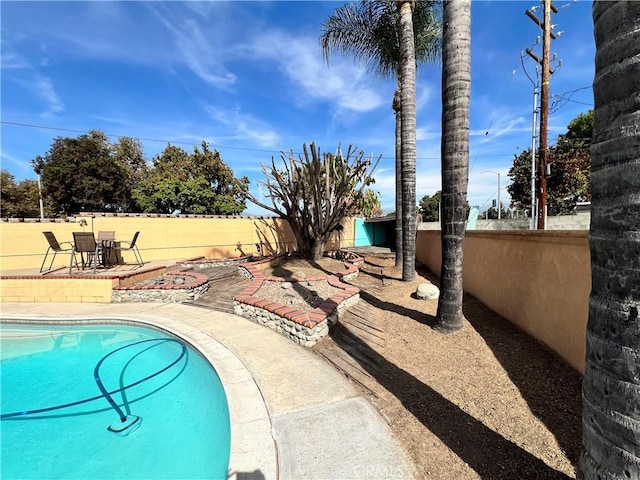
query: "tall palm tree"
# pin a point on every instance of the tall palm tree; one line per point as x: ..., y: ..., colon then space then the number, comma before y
x: 407, y: 71
x: 397, y: 109
x: 369, y: 31
x: 456, y: 92
x: 611, y: 385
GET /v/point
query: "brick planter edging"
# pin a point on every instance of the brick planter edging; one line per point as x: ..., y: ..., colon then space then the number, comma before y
x: 195, y: 285
x: 306, y: 329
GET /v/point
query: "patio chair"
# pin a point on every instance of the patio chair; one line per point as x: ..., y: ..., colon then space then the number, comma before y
x: 85, y: 242
x: 131, y: 247
x: 55, y: 247
x: 107, y: 240
x: 106, y: 235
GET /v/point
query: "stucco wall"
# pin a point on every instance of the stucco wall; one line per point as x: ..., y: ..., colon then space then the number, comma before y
x: 538, y: 280
x: 162, y: 237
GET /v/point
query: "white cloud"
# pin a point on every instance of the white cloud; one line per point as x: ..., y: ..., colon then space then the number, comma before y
x: 11, y: 60
x: 18, y: 69
x: 44, y: 88
x: 503, y: 126
x: 197, y: 49
x: 301, y: 61
x: 427, y: 133
x: 16, y: 162
x: 424, y: 95
x: 243, y: 126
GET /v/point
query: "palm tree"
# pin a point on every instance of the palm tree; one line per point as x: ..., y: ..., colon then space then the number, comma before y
x: 407, y: 81
x: 611, y: 385
x: 456, y: 91
x: 370, y: 32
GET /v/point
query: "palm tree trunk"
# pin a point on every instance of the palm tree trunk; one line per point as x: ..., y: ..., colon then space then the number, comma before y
x: 408, y: 140
x: 611, y: 385
x: 456, y: 91
x: 397, y: 108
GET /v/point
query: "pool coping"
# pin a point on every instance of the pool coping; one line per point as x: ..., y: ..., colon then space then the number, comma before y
x: 285, y: 422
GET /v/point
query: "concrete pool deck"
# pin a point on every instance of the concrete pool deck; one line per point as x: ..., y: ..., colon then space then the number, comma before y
x: 293, y: 416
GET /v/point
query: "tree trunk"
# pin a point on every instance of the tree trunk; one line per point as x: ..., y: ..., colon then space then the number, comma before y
x: 317, y: 249
x: 456, y: 91
x: 408, y: 140
x: 397, y: 108
x: 611, y: 385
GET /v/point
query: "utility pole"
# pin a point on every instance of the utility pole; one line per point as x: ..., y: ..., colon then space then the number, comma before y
x: 547, y: 35
x: 544, y: 117
x: 534, y: 145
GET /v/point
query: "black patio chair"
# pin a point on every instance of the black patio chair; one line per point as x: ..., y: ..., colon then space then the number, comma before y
x: 130, y: 246
x: 85, y: 242
x: 55, y: 247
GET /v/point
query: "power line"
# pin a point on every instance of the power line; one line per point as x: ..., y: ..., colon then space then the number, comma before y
x: 485, y: 139
x: 217, y: 147
x: 29, y: 125
x: 566, y: 97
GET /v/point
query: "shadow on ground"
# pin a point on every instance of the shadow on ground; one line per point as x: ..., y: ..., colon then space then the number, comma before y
x: 551, y: 387
x: 488, y: 453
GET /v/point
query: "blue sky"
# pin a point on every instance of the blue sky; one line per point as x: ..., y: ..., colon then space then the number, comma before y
x: 249, y: 78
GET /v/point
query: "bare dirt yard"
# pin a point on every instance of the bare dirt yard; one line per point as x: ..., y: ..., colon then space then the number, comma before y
x: 486, y: 402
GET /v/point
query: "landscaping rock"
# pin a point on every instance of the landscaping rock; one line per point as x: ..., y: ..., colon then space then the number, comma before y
x: 427, y: 291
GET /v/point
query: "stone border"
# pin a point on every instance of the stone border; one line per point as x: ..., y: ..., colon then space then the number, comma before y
x: 306, y: 329
x: 195, y: 285
x: 202, y: 262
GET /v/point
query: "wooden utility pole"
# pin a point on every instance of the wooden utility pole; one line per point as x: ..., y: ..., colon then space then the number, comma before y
x: 547, y: 35
x: 544, y: 117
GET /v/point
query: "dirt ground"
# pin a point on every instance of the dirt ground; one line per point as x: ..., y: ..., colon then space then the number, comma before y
x: 486, y: 402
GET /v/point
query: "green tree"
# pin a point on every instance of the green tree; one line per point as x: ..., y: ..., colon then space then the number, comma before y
x: 315, y: 192
x: 371, y: 32
x: 27, y: 199
x: 82, y: 174
x: 580, y: 128
x: 492, y: 212
x: 611, y: 384
x: 7, y: 193
x: 520, y: 187
x: 198, y: 183
x: 570, y: 179
x: 456, y: 92
x: 429, y: 207
x: 569, y: 164
x: 368, y: 204
x: 129, y: 153
x: 20, y: 200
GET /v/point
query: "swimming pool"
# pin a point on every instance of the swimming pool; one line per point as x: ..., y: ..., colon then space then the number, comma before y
x: 66, y: 390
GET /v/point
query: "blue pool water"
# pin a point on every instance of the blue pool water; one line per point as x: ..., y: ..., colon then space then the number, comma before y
x: 183, y: 431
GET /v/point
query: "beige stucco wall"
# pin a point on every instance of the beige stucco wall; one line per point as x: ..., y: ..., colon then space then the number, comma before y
x: 94, y: 290
x: 22, y: 244
x: 538, y: 280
